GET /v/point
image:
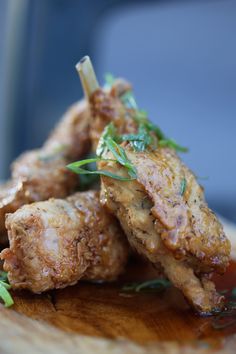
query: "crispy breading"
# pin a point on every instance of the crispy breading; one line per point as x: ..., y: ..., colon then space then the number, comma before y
x: 42, y: 174
x: 167, y: 223
x: 57, y: 242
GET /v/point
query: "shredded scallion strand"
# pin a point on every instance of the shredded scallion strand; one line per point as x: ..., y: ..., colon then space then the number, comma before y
x: 76, y: 167
x: 128, y: 100
x: 183, y: 186
x: 3, y: 276
x: 141, y: 118
x: 121, y: 157
x: 155, y: 285
x: 109, y: 80
x: 4, y: 287
x: 110, y: 140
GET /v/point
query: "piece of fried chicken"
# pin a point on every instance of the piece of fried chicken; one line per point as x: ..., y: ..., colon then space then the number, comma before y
x: 179, y: 232
x: 171, y: 225
x: 42, y: 174
x: 55, y: 243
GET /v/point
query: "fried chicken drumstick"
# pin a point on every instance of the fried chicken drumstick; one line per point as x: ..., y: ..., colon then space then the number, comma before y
x: 42, y: 174
x: 156, y: 198
x: 57, y: 242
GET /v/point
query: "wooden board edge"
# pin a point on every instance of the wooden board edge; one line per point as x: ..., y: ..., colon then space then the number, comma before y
x: 20, y: 334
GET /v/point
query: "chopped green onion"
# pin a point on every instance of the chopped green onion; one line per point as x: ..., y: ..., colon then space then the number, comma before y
x: 5, y: 295
x: 159, y: 133
x: 3, y: 276
x: 76, y: 167
x: 109, y: 80
x: 107, y: 142
x: 86, y: 181
x: 142, y: 119
x: 109, y: 131
x: 141, y: 116
x: 121, y: 157
x: 156, y: 285
x: 183, y: 186
x: 139, y: 141
x: 128, y: 100
x: 172, y: 144
x: 6, y: 285
x: 110, y: 140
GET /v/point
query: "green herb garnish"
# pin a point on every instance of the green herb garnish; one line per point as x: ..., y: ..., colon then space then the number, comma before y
x: 4, y: 287
x: 128, y: 100
x: 171, y: 143
x: 109, y: 80
x: 110, y: 140
x: 139, y: 141
x: 106, y: 143
x: 183, y: 186
x: 121, y: 157
x: 76, y: 167
x: 3, y: 276
x: 108, y: 132
x: 155, y: 285
x: 141, y: 118
x: 159, y: 133
x: 88, y: 180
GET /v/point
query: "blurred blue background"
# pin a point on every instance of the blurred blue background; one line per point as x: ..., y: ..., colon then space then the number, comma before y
x: 180, y: 56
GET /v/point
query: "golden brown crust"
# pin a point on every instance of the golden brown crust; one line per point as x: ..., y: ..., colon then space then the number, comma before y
x: 106, y: 108
x: 55, y: 243
x: 42, y: 174
x: 186, y: 225
x: 71, y: 136
x: 132, y: 206
x: 164, y: 222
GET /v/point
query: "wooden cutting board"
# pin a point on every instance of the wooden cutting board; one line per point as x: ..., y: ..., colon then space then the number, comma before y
x: 101, y: 318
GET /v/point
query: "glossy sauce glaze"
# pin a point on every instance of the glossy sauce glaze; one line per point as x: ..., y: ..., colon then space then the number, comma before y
x: 104, y: 310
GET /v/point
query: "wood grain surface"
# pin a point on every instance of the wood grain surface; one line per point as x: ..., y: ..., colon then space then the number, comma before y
x: 100, y: 318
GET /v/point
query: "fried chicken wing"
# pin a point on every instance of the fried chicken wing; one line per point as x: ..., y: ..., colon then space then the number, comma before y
x: 105, y: 108
x: 57, y: 242
x: 162, y: 211
x: 178, y: 232
x: 41, y: 174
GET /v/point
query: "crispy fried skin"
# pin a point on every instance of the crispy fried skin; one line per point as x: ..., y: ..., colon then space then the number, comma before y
x: 55, y: 243
x: 42, y: 174
x: 169, y: 227
x: 187, y: 227
x: 185, y: 265
x: 106, y: 108
x: 70, y: 136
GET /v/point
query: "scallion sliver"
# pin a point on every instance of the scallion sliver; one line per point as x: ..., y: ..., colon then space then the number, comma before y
x: 77, y: 168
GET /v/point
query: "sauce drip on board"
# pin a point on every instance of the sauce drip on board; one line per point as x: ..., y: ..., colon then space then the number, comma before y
x: 104, y: 310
